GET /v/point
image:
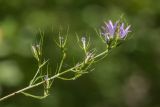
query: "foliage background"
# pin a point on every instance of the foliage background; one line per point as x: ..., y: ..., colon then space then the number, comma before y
x: 129, y: 77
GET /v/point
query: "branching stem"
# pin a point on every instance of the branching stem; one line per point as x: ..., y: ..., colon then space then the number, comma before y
x: 51, y: 78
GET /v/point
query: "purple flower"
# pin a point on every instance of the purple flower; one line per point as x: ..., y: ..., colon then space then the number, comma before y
x: 124, y: 32
x: 110, y: 28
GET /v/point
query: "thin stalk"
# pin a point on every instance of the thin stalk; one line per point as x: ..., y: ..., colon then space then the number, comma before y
x: 61, y: 63
x: 32, y: 81
x: 39, y: 68
x: 37, y: 84
x: 34, y: 96
x: 101, y: 54
x: 51, y: 78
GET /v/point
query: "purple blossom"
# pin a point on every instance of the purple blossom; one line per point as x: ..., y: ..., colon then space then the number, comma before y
x: 109, y: 30
x: 112, y: 30
x: 124, y: 32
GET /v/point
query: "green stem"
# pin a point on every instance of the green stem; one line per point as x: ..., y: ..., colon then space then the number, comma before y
x: 37, y: 84
x: 101, y: 54
x: 34, y: 96
x: 61, y: 63
x: 51, y: 78
x: 39, y: 68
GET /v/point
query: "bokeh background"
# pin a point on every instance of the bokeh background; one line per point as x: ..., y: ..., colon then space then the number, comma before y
x: 128, y: 77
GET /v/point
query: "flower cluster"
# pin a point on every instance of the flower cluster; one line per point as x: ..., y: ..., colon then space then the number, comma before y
x: 110, y: 31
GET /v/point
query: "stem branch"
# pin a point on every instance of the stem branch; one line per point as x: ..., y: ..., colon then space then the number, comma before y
x: 51, y: 78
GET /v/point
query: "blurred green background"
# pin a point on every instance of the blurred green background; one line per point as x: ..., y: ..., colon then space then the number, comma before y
x: 129, y: 77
